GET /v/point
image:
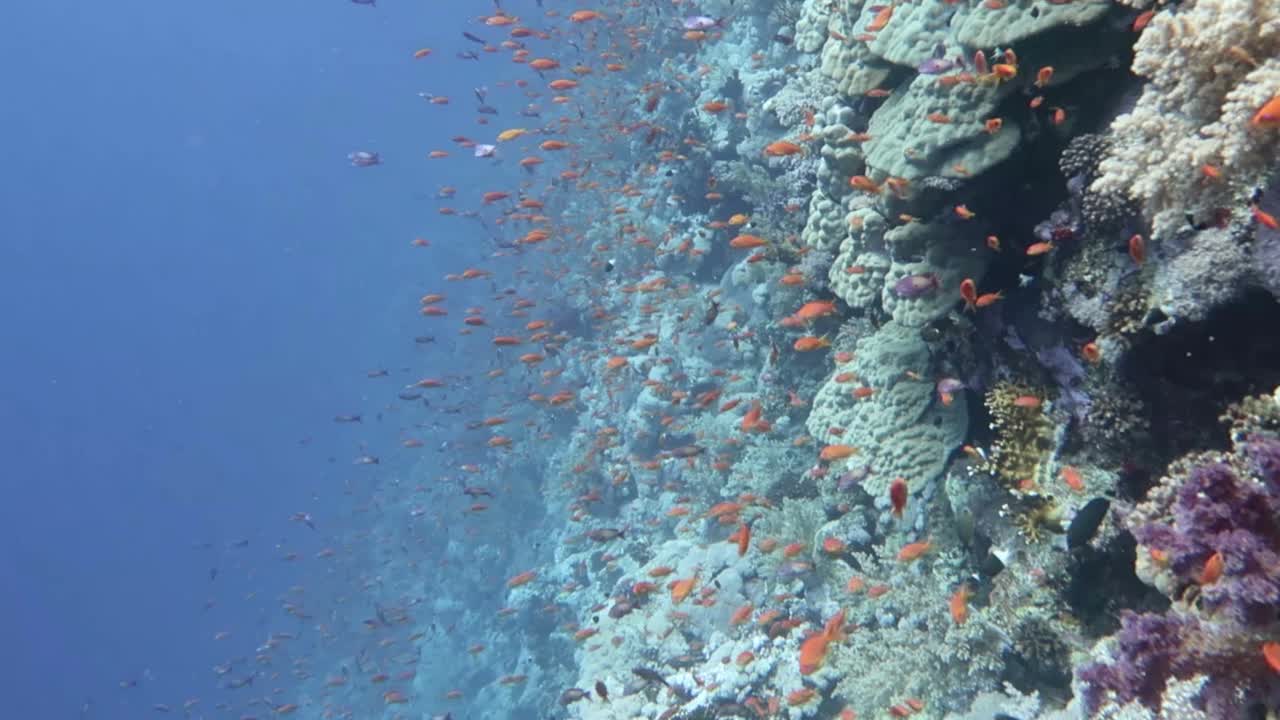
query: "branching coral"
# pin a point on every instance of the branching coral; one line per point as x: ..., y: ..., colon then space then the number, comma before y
x: 1210, y: 65
x: 1024, y: 435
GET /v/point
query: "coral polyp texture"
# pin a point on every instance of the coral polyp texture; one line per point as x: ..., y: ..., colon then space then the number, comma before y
x: 1189, y: 146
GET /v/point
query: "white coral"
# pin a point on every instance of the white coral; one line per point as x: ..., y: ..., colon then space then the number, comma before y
x: 1210, y: 66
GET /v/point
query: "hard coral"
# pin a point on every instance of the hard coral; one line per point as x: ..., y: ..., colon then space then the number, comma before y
x: 1024, y: 435
x: 1210, y: 65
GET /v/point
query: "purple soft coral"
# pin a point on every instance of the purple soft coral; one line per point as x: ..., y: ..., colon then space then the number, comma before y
x: 1229, y: 506
x: 1217, y: 511
x: 1148, y: 646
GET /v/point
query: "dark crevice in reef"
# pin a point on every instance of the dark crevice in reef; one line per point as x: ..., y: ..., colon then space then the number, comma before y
x: 1186, y: 379
x: 1189, y: 376
x: 1102, y: 582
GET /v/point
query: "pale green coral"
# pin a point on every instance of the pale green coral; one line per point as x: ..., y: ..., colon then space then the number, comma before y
x: 950, y: 255
x: 913, y: 32
x: 980, y: 26
x: 905, y: 142
x: 901, y: 429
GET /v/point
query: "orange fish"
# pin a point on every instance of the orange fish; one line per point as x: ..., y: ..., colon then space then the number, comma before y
x: 816, y: 309
x: 803, y: 695
x: 1213, y: 568
x: 581, y: 16
x: 913, y: 551
x: 898, y: 496
x: 1264, y: 218
x: 522, y: 579
x: 1137, y: 249
x: 782, y: 148
x: 1072, y: 478
x: 810, y: 343
x: 680, y: 589
x: 1091, y: 353
x: 987, y: 299
x: 959, y: 605
x: 751, y: 421
x: 1268, y: 116
x: 746, y: 242
x: 837, y: 452
x: 968, y: 293
x: 881, y: 19
x: 813, y: 651
x: 865, y: 184
x: 1271, y: 654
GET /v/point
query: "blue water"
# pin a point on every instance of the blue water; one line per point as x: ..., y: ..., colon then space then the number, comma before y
x: 194, y: 282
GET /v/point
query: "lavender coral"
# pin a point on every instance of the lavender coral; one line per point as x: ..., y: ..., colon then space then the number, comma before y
x: 1209, y: 536
x: 1216, y: 510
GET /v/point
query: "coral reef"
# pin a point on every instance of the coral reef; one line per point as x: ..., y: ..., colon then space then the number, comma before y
x: 900, y: 427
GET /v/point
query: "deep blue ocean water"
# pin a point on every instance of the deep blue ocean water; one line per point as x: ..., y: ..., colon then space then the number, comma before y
x: 194, y: 282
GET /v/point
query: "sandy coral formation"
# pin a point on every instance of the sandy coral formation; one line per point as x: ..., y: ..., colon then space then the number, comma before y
x: 901, y: 429
x: 938, y: 254
x: 826, y: 225
x: 1210, y: 65
x: 863, y: 247
x: 811, y: 25
x: 911, y: 35
x: 852, y: 65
